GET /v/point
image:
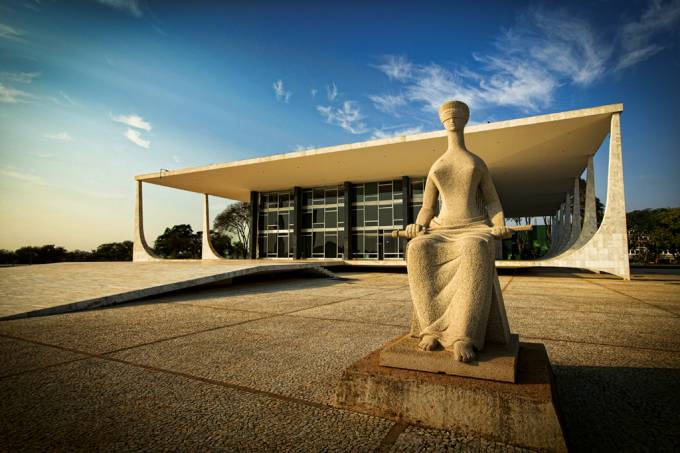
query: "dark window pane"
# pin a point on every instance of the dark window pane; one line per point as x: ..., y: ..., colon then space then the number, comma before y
x: 358, y: 243
x: 371, y: 212
x: 391, y: 244
x: 417, y: 189
x: 284, y: 198
x: 331, y: 246
x: 415, y: 209
x: 331, y: 196
x: 318, y: 242
x: 331, y: 219
x: 283, y: 247
x: 358, y: 217
x: 396, y: 186
x: 341, y: 194
x: 398, y: 213
x: 260, y: 221
x: 318, y: 215
x: 271, y: 220
x: 371, y: 243
x: 386, y: 216
x: 307, y: 246
x: 358, y: 194
x: 371, y: 191
x: 318, y: 196
x: 341, y: 243
x: 307, y: 219
x: 261, y: 246
x: 385, y: 191
x: 271, y: 244
x: 341, y: 215
x: 283, y: 221
x: 306, y: 198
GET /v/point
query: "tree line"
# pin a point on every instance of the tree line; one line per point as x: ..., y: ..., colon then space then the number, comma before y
x: 654, y: 235
x: 229, y: 238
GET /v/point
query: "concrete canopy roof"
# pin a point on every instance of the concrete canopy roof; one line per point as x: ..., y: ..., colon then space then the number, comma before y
x: 533, y: 161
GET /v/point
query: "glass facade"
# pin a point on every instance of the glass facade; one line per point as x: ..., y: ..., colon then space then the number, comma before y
x: 377, y: 209
x: 323, y: 222
x: 275, y: 225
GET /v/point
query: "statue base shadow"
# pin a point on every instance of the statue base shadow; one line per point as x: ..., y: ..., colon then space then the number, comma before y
x: 522, y: 414
x: 496, y: 362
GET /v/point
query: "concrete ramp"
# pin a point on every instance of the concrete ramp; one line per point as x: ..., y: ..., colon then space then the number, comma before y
x: 48, y: 289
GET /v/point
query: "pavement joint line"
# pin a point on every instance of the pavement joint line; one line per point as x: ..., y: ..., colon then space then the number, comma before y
x: 562, y: 340
x: 507, y: 283
x: 633, y: 297
x: 43, y: 367
x: 588, y: 311
x: 351, y: 321
x: 391, y: 437
x: 105, y: 357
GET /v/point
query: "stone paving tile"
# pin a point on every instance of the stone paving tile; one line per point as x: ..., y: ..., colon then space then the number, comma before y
x: 400, y: 294
x: 617, y: 398
x: 288, y: 355
x: 575, y: 302
x: 17, y: 356
x: 104, y: 330
x: 603, y: 328
x: 415, y: 439
x: 388, y: 311
x: 98, y: 405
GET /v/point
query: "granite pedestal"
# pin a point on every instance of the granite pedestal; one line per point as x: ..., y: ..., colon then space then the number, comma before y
x: 522, y: 414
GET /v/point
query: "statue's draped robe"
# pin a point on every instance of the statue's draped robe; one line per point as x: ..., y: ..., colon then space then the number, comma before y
x: 454, y: 286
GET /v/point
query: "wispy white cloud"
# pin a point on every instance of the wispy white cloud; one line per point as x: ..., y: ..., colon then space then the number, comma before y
x: 391, y: 132
x: 9, y: 32
x: 135, y: 137
x: 636, y: 37
x: 332, y: 92
x: 388, y: 103
x: 176, y: 159
x: 22, y: 176
x: 313, y: 92
x: 303, y: 148
x: 530, y: 61
x: 281, y: 93
x: 132, y: 120
x: 396, y: 67
x: 12, y: 96
x: 19, y: 77
x: 348, y: 116
x: 131, y: 7
x: 61, y: 136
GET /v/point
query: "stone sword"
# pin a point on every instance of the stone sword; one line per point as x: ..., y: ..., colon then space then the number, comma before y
x: 402, y: 233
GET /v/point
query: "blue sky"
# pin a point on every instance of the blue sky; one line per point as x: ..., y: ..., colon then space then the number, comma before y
x: 93, y: 93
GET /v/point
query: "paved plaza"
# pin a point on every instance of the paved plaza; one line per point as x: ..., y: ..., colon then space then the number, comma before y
x: 252, y: 366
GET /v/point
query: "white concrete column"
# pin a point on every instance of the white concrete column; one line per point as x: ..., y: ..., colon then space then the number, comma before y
x: 607, y: 250
x: 207, y: 250
x: 590, y: 212
x: 140, y: 249
x: 575, y: 214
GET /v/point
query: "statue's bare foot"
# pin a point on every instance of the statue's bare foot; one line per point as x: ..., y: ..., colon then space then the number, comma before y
x: 463, y: 351
x: 428, y: 343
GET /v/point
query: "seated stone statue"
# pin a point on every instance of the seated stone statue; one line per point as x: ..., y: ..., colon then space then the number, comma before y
x: 457, y: 302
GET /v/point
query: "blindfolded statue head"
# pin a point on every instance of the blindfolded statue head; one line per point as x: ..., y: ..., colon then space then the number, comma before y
x: 454, y: 115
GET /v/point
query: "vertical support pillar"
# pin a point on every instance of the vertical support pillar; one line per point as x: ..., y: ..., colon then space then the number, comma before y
x: 207, y: 250
x: 349, y: 220
x: 607, y: 250
x: 407, y: 196
x: 589, y: 213
x: 297, y: 223
x: 140, y: 249
x: 575, y: 213
x: 254, y: 215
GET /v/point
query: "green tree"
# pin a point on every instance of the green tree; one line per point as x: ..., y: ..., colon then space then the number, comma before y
x: 179, y: 242
x: 113, y: 251
x: 235, y: 221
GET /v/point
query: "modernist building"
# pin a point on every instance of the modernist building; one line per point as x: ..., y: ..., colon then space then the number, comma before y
x: 337, y: 202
